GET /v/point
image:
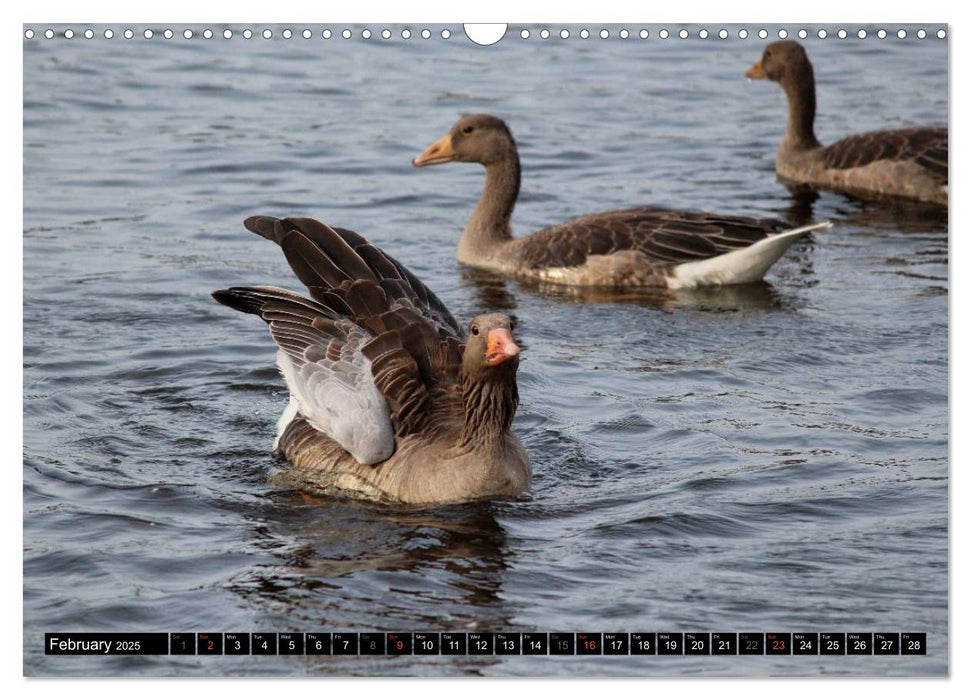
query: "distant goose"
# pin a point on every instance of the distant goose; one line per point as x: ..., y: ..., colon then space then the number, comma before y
x: 908, y: 163
x: 642, y: 247
x: 389, y: 399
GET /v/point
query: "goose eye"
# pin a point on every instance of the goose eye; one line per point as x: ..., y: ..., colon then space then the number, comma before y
x: 468, y: 129
x: 474, y: 329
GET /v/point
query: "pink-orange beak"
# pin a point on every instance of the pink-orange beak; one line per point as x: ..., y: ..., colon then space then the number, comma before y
x: 501, y: 347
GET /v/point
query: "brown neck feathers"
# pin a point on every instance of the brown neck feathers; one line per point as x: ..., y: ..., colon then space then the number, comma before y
x: 490, y: 404
x: 800, y: 88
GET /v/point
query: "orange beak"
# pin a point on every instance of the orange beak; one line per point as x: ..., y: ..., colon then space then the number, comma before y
x: 755, y: 72
x: 439, y: 152
x: 501, y: 347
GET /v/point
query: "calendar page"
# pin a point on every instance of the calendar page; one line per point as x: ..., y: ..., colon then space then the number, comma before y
x: 419, y: 349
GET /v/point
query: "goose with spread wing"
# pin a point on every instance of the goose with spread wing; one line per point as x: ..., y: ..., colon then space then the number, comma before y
x: 390, y: 400
x: 910, y: 163
x: 641, y: 247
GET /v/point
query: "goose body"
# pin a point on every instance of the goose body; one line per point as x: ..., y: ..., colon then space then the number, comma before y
x: 910, y: 163
x: 390, y: 401
x: 638, y: 247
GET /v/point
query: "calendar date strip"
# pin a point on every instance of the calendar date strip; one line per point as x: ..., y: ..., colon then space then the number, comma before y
x: 486, y: 643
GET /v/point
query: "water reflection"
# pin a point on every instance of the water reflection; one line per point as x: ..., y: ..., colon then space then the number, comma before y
x: 888, y: 213
x: 799, y: 211
x: 463, y: 538
x: 492, y: 291
x: 449, y: 565
x: 896, y: 216
x: 489, y: 288
x: 735, y: 297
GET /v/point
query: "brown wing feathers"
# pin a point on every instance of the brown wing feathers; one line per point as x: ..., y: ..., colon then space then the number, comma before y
x: 663, y: 236
x: 398, y: 378
x: 415, y: 350
x: 323, y: 257
x: 926, y: 146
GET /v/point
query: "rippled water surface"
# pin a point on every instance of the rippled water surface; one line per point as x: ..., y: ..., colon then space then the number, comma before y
x: 764, y: 458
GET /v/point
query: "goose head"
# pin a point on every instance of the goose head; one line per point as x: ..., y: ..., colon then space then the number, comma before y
x: 475, y: 138
x: 782, y: 62
x: 490, y: 348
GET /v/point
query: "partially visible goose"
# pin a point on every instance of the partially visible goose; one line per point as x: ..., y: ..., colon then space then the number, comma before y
x: 642, y: 247
x: 908, y: 163
x: 389, y: 399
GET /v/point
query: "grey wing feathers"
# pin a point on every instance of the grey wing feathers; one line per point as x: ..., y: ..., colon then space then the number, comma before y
x: 326, y: 369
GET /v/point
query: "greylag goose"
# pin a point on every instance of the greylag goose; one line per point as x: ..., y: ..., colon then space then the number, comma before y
x: 909, y: 163
x: 389, y: 399
x: 642, y: 247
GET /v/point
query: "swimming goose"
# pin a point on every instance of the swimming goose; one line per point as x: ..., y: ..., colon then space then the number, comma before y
x: 642, y: 247
x: 389, y: 399
x: 909, y: 163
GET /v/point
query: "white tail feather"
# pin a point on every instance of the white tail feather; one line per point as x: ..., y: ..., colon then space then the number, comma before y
x: 739, y: 266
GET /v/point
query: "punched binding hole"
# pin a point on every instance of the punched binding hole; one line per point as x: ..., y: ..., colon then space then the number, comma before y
x: 485, y: 34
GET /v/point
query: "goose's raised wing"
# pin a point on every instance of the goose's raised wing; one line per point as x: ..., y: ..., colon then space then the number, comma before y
x: 375, y: 352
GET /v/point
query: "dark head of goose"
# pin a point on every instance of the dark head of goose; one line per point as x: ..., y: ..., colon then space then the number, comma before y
x: 783, y: 62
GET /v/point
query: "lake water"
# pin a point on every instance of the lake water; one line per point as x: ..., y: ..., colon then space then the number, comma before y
x: 765, y: 458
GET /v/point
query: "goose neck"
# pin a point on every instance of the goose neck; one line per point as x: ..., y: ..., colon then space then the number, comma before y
x: 489, y: 226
